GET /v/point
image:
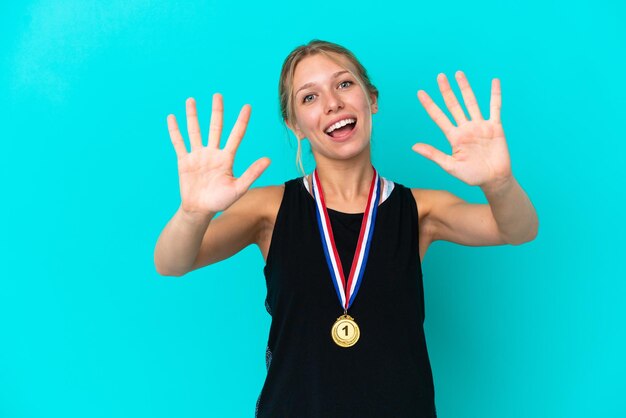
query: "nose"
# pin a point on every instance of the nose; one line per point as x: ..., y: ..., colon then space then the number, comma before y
x: 333, y: 102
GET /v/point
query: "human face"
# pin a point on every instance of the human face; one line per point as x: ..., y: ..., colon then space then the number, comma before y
x: 326, y: 93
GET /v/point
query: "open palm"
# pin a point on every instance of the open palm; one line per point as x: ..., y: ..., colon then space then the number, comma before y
x: 207, y: 184
x: 480, y: 155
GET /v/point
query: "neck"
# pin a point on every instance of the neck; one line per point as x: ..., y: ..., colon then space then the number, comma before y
x: 346, y: 181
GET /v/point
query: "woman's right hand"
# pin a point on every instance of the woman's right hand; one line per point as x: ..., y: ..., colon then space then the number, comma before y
x: 207, y: 185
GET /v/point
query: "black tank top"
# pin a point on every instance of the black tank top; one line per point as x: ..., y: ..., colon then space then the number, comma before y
x: 387, y: 372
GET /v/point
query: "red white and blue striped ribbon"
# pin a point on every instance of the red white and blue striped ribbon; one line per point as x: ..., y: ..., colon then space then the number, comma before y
x: 347, y: 294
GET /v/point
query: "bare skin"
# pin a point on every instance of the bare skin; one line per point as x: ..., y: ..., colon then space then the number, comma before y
x: 194, y: 237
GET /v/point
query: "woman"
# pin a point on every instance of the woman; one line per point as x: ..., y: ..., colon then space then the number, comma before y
x: 341, y: 232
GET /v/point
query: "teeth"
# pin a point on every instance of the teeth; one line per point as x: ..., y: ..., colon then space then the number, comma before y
x: 339, y: 125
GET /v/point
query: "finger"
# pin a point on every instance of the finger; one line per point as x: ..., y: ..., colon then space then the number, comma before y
x: 468, y: 96
x: 443, y: 160
x: 496, y: 101
x: 217, y: 118
x: 238, y: 131
x: 193, y: 128
x: 434, y: 112
x: 450, y: 98
x: 253, y: 172
x: 176, y: 137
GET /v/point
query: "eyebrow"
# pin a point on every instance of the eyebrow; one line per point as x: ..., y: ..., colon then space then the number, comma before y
x: 307, y: 85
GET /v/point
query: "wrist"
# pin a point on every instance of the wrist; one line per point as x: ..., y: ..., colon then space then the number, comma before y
x: 498, y: 186
x: 196, y: 218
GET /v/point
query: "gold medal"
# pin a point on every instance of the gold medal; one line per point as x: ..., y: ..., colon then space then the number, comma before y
x: 345, y: 331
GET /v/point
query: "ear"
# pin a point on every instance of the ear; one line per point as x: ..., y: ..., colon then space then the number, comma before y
x: 295, y: 129
x: 374, y: 103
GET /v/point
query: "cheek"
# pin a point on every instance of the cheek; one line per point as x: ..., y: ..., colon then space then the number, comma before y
x: 366, y: 103
x: 308, y: 122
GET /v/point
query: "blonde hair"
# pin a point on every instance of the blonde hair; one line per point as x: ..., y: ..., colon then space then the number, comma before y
x: 285, y: 83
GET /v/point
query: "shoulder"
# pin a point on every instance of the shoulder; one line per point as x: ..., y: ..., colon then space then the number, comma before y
x: 257, y: 205
x: 428, y: 199
x: 424, y: 198
x: 430, y: 202
x: 268, y: 192
x: 431, y: 207
x: 266, y: 201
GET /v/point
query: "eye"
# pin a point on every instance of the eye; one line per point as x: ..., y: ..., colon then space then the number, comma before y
x: 343, y: 83
x: 307, y: 98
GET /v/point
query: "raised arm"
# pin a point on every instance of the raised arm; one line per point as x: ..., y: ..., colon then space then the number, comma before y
x: 480, y: 157
x: 207, y: 186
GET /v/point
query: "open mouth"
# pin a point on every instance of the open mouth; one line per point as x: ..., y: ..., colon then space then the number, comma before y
x: 341, y: 129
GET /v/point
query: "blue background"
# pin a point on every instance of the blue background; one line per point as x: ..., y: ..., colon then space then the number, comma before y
x: 89, y: 180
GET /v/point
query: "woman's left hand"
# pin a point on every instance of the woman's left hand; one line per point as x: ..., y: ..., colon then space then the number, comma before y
x: 480, y: 156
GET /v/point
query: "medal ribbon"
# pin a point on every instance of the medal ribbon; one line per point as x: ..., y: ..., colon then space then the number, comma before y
x: 347, y: 294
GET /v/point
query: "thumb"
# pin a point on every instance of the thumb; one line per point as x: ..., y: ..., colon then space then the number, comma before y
x: 252, y: 173
x: 433, y: 154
